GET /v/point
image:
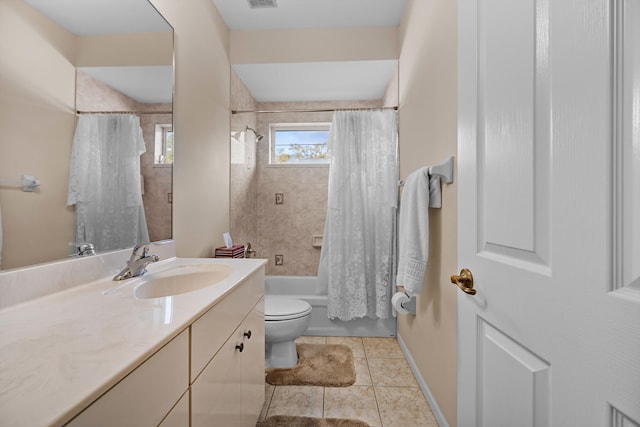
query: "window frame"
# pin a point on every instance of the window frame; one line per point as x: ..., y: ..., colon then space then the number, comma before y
x: 160, y: 143
x: 301, y: 126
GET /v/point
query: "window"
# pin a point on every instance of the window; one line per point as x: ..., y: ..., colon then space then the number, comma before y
x: 163, y: 153
x: 299, y: 143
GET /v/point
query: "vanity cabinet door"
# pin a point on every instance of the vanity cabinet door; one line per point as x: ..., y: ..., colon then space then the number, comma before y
x: 230, y: 390
x: 213, y: 328
x: 216, y: 394
x: 253, y: 366
x: 179, y: 415
x: 147, y: 394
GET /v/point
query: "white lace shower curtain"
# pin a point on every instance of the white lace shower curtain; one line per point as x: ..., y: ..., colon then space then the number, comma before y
x: 104, y: 181
x: 357, y: 258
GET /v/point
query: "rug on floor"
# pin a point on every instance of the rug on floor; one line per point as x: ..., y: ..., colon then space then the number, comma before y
x: 328, y: 365
x: 290, y: 421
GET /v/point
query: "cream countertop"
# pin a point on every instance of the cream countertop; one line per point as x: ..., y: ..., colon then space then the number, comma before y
x: 60, y: 352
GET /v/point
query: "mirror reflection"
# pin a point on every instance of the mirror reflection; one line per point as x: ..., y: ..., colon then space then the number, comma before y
x: 81, y: 60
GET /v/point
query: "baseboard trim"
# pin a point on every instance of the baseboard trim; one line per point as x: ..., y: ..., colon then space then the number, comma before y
x: 437, y: 413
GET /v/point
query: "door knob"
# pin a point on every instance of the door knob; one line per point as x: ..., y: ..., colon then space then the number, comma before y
x: 464, y: 281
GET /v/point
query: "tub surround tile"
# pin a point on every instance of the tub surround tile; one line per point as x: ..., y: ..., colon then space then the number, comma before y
x: 391, y: 372
x: 357, y: 402
x: 404, y: 407
x: 305, y: 190
x: 304, y: 401
x: 382, y: 347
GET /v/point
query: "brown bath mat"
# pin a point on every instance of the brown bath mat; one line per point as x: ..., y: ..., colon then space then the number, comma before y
x: 328, y: 365
x: 289, y: 421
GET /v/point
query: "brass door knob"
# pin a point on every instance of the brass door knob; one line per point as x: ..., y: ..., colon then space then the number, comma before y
x: 464, y: 281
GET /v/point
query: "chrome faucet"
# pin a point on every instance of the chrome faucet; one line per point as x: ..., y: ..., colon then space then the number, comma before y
x: 86, y: 249
x: 137, y: 264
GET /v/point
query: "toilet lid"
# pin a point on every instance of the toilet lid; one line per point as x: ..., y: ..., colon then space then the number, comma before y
x: 283, y: 308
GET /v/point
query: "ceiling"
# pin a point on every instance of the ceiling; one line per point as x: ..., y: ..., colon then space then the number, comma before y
x: 351, y: 80
x: 95, y: 17
x: 145, y: 84
x: 314, y: 81
x: 92, y: 17
x: 311, y: 14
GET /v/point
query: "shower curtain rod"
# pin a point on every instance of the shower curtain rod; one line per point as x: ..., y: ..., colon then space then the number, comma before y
x: 123, y: 112
x: 312, y: 110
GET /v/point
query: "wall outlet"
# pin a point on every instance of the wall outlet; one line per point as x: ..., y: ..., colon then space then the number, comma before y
x: 279, y: 259
x: 279, y: 198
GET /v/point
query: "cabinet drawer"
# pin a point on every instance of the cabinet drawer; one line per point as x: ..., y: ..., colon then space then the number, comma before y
x: 210, y: 331
x: 147, y: 394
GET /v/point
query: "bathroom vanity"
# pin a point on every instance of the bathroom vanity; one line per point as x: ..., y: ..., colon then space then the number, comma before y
x: 104, y: 354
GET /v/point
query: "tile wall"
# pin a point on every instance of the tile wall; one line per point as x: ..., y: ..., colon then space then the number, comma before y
x: 243, y: 183
x: 287, y: 229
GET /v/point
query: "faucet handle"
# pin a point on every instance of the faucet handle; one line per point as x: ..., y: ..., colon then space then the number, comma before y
x: 249, y: 251
x: 135, y: 254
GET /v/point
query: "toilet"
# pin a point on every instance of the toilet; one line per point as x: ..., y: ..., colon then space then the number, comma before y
x: 285, y: 320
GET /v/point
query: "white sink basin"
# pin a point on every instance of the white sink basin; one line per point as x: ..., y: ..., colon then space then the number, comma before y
x: 181, y: 279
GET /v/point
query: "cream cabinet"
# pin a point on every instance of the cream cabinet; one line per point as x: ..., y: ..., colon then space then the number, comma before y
x: 252, y: 367
x: 211, y: 374
x: 147, y: 394
x: 179, y: 415
x: 229, y: 389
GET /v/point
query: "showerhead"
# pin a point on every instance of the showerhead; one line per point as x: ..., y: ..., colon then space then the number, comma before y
x: 259, y: 136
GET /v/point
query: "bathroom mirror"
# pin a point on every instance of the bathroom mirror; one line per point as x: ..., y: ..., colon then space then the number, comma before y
x: 50, y: 46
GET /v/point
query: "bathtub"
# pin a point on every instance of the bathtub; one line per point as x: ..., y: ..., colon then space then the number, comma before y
x: 304, y: 288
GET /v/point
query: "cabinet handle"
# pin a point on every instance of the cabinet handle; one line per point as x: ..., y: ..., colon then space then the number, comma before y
x: 248, y: 334
x: 240, y: 347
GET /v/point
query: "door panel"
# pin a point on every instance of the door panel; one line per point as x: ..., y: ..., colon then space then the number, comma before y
x: 549, y: 212
x: 514, y: 382
x: 506, y: 72
x: 512, y: 70
x: 628, y: 145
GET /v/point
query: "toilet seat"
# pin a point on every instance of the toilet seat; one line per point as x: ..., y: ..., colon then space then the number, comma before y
x: 282, y: 308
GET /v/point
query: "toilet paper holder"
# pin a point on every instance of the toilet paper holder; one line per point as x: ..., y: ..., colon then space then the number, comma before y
x: 407, y: 305
x: 410, y: 305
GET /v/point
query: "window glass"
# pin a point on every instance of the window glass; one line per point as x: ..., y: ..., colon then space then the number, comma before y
x: 163, y: 154
x: 299, y: 144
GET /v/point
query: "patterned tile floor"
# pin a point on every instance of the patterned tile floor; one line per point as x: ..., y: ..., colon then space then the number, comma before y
x: 385, y: 394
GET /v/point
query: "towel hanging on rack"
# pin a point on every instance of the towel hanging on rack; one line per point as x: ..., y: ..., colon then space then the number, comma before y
x: 421, y: 191
x: 28, y: 182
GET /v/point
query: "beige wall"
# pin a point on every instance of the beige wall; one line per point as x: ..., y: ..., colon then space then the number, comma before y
x: 201, y: 125
x: 37, y: 116
x: 428, y: 136
x: 125, y: 49
x: 314, y: 45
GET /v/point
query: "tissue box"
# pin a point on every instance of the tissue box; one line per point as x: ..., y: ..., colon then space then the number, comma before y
x: 235, y: 251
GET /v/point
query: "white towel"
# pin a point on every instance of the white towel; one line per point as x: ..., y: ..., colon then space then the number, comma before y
x: 421, y: 191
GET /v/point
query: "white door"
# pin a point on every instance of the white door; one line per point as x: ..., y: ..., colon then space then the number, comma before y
x: 549, y: 213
